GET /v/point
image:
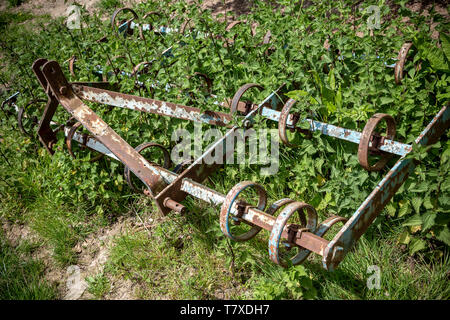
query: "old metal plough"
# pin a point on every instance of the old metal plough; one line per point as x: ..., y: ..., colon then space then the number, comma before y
x: 169, y: 188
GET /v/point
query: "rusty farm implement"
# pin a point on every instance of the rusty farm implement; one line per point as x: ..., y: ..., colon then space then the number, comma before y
x: 290, y: 242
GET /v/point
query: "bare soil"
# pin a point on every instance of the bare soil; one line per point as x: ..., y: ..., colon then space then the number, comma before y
x: 93, y: 254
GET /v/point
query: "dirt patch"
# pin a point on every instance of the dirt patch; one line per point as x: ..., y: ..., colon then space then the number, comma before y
x: 93, y: 253
x: 58, y: 8
x: 55, y: 8
x: 18, y: 234
x: 15, y: 233
x: 236, y: 7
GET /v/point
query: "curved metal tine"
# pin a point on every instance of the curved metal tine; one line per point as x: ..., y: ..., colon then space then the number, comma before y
x: 124, y: 27
x: 320, y: 231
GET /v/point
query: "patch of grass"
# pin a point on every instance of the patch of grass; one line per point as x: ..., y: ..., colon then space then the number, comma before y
x: 7, y: 18
x: 98, y: 285
x: 401, y: 276
x: 15, y: 3
x: 187, y: 258
x: 174, y: 262
x: 22, y: 278
x: 109, y: 4
x: 33, y: 193
x: 53, y: 224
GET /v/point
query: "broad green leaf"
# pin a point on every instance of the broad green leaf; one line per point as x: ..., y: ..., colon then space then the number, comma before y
x: 296, y: 94
x: 338, y: 98
x: 415, y: 220
x: 416, y: 203
x: 331, y: 107
x: 332, y: 80
x: 416, y: 244
x: 404, y: 208
x: 405, y: 237
x: 445, y: 41
x: 391, y: 209
x: 444, y: 235
x: 427, y: 203
x: 386, y: 100
x: 428, y: 220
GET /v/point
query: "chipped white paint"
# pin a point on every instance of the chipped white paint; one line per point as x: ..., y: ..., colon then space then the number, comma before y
x: 150, y: 106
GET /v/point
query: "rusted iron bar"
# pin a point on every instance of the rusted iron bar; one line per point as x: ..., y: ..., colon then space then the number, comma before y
x: 61, y: 92
x: 381, y: 195
x: 268, y: 111
x: 151, y: 105
x: 353, y: 136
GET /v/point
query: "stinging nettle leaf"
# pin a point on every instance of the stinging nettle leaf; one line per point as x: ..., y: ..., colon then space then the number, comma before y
x: 415, y: 220
x: 416, y: 245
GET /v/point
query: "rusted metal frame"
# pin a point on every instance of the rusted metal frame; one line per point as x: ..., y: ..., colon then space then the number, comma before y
x: 60, y: 89
x: 217, y: 118
x: 151, y: 105
x: 307, y: 240
x: 388, y: 145
x: 381, y: 195
x: 198, y: 171
x: 254, y: 216
x: 148, y: 105
x: 45, y: 134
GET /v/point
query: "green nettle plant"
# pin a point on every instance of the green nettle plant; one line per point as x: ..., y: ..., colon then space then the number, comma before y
x: 343, y: 83
x: 293, y: 284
